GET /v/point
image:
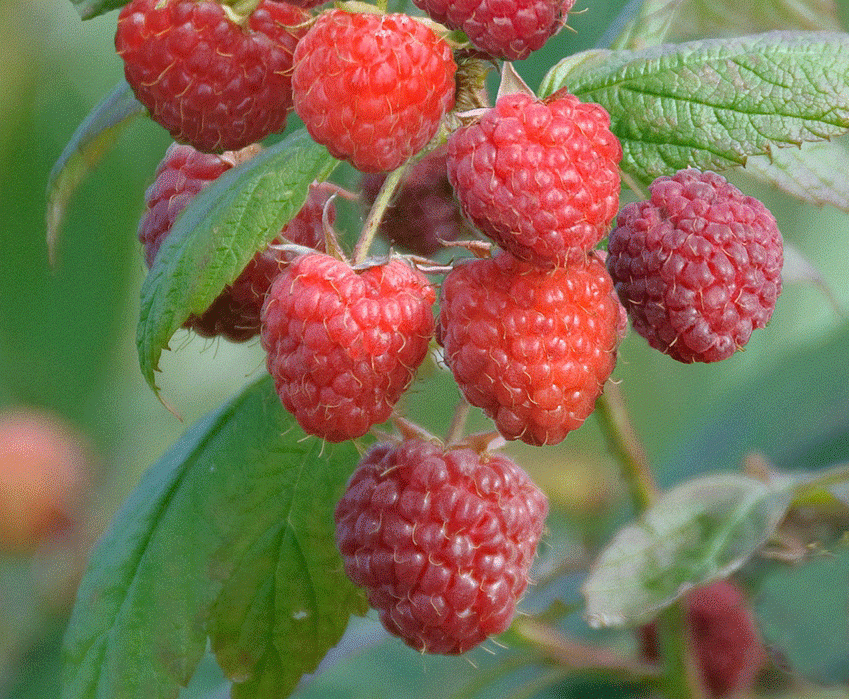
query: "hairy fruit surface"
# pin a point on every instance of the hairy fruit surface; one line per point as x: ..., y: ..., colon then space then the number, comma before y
x: 372, y: 88
x: 344, y: 344
x: 212, y: 83
x: 539, y: 178
x: 697, y: 266
x: 441, y: 539
x: 532, y: 348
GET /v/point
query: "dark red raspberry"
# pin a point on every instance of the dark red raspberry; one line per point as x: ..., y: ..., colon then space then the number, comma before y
x: 697, y: 266
x: 211, y: 82
x: 344, y: 344
x: 183, y: 173
x: 424, y: 210
x: 539, y: 178
x: 728, y: 647
x: 532, y: 347
x: 508, y: 29
x: 372, y: 88
x: 442, y: 540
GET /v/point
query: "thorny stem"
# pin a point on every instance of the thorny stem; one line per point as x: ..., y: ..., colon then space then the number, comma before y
x: 680, y: 679
x: 375, y: 215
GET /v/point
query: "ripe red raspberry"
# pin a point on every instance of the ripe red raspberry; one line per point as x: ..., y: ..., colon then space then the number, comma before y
x: 344, y: 344
x: 539, y: 178
x: 183, y: 173
x: 212, y: 83
x: 442, y: 540
x: 372, y: 88
x: 728, y: 647
x: 697, y: 266
x: 424, y: 210
x: 509, y: 29
x: 532, y: 347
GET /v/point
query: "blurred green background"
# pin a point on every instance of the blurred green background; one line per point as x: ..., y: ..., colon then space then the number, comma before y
x: 67, y: 338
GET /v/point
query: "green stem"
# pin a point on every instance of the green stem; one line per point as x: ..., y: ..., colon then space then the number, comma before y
x: 625, y: 446
x: 375, y: 215
x: 681, y: 675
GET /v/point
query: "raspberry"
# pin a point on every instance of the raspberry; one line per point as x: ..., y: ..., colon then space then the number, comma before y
x: 698, y: 266
x: 212, y: 83
x: 372, y: 88
x: 424, y: 211
x: 531, y: 347
x: 509, y: 29
x: 183, y: 173
x: 729, y: 651
x: 441, y: 539
x: 344, y: 344
x: 539, y: 178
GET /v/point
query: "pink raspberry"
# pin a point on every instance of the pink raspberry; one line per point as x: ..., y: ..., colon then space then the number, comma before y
x: 728, y: 647
x: 372, y: 88
x: 442, y: 540
x: 532, y: 348
x: 697, y: 266
x: 183, y: 173
x: 424, y: 211
x: 344, y: 344
x: 508, y: 29
x: 539, y: 178
x: 212, y: 83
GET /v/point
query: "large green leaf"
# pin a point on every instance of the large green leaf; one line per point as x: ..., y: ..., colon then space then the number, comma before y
x: 195, y: 550
x: 219, y: 232
x: 714, y: 103
x: 90, y: 142
x: 700, y: 531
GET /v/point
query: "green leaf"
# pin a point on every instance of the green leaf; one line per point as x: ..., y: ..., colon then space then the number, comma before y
x: 90, y: 142
x: 190, y: 551
x: 814, y: 173
x: 801, y: 613
x: 712, y: 104
x: 218, y: 233
x: 662, y: 21
x: 700, y: 531
x: 88, y: 9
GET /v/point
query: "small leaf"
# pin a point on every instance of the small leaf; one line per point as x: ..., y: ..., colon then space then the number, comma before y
x: 90, y: 142
x: 697, y: 532
x: 218, y: 233
x: 186, y: 553
x: 802, y: 614
x: 712, y: 104
x: 89, y: 9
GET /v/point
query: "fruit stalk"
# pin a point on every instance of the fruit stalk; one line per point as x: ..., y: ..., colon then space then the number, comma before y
x: 375, y: 215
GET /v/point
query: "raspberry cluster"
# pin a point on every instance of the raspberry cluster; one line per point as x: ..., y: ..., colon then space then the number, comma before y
x: 442, y: 540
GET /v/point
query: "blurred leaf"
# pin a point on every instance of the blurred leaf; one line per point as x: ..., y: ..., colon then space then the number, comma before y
x: 802, y: 614
x: 218, y: 233
x: 662, y: 21
x: 88, y: 9
x: 814, y: 173
x: 799, y: 269
x: 712, y: 104
x: 164, y: 574
x: 90, y: 142
x: 697, y: 532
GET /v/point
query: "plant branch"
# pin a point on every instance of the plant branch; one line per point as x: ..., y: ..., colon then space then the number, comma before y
x: 375, y: 215
x: 625, y: 446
